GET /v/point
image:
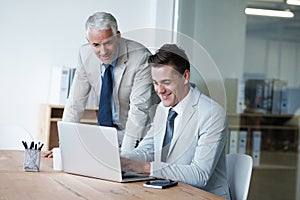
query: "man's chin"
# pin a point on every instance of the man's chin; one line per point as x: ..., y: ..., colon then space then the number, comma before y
x: 105, y: 60
x: 166, y: 103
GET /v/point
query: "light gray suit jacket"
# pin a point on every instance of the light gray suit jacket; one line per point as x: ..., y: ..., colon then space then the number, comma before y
x: 132, y: 93
x: 197, y: 151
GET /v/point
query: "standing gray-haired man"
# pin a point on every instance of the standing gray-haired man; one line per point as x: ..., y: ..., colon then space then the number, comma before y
x: 118, y: 69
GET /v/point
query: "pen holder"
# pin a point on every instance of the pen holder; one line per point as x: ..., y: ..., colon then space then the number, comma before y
x: 32, y: 158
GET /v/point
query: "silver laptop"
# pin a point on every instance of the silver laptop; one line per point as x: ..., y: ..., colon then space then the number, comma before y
x: 93, y: 151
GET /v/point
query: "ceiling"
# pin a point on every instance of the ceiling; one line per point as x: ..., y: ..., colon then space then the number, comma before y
x: 274, y: 28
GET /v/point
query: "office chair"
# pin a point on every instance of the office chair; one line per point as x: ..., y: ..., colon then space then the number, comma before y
x: 239, y: 170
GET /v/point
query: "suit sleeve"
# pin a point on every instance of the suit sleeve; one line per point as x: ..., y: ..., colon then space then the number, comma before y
x: 78, y: 96
x: 142, y: 103
x: 144, y: 152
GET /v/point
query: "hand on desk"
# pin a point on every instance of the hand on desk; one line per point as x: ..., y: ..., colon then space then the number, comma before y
x: 129, y: 165
x: 47, y: 154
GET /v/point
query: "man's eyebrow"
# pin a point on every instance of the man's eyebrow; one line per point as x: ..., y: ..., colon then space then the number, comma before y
x: 165, y: 80
x: 162, y: 81
x: 104, y: 42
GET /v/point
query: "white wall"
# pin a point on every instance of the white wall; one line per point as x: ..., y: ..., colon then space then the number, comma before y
x: 39, y: 35
x: 162, y: 30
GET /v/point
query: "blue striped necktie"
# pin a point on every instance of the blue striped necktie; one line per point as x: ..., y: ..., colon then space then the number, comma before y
x: 105, y: 104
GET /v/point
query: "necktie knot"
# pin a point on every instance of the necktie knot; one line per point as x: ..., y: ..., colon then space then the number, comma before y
x: 172, y: 114
x: 107, y: 72
x: 107, y: 67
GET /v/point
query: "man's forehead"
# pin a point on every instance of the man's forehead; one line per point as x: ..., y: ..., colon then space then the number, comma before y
x: 165, y: 69
x: 100, y: 36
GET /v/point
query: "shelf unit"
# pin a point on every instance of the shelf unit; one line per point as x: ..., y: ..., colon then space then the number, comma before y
x: 278, y: 168
x: 50, y: 115
x: 277, y: 134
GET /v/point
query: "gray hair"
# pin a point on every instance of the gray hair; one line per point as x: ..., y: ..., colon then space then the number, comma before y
x: 101, y: 21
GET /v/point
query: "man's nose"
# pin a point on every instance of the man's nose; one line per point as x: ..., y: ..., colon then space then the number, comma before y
x: 160, y: 88
x: 101, y: 49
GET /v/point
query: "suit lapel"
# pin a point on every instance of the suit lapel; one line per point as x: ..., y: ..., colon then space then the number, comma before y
x: 93, y: 62
x: 162, y: 117
x: 118, y: 74
x: 120, y: 68
x: 187, y: 117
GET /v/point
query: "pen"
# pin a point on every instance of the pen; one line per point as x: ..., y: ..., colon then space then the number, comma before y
x: 25, y: 144
x: 40, y: 148
x: 31, y: 145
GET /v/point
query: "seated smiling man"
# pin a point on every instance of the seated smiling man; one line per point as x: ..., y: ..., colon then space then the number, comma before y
x: 187, y: 139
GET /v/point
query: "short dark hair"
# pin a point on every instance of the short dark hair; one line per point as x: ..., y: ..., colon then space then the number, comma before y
x: 170, y: 54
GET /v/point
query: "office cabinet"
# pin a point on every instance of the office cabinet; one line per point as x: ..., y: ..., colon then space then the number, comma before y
x: 275, y: 175
x: 279, y: 133
x: 50, y: 115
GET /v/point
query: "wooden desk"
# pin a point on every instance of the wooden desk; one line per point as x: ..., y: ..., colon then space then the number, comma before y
x: 48, y: 184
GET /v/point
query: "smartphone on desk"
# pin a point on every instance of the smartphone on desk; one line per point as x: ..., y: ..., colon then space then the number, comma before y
x: 160, y: 184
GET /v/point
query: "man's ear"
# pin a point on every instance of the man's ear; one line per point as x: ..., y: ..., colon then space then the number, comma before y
x: 118, y: 34
x: 187, y: 76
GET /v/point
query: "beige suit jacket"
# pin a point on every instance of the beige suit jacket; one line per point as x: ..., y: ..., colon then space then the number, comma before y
x: 197, y: 151
x: 132, y: 93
